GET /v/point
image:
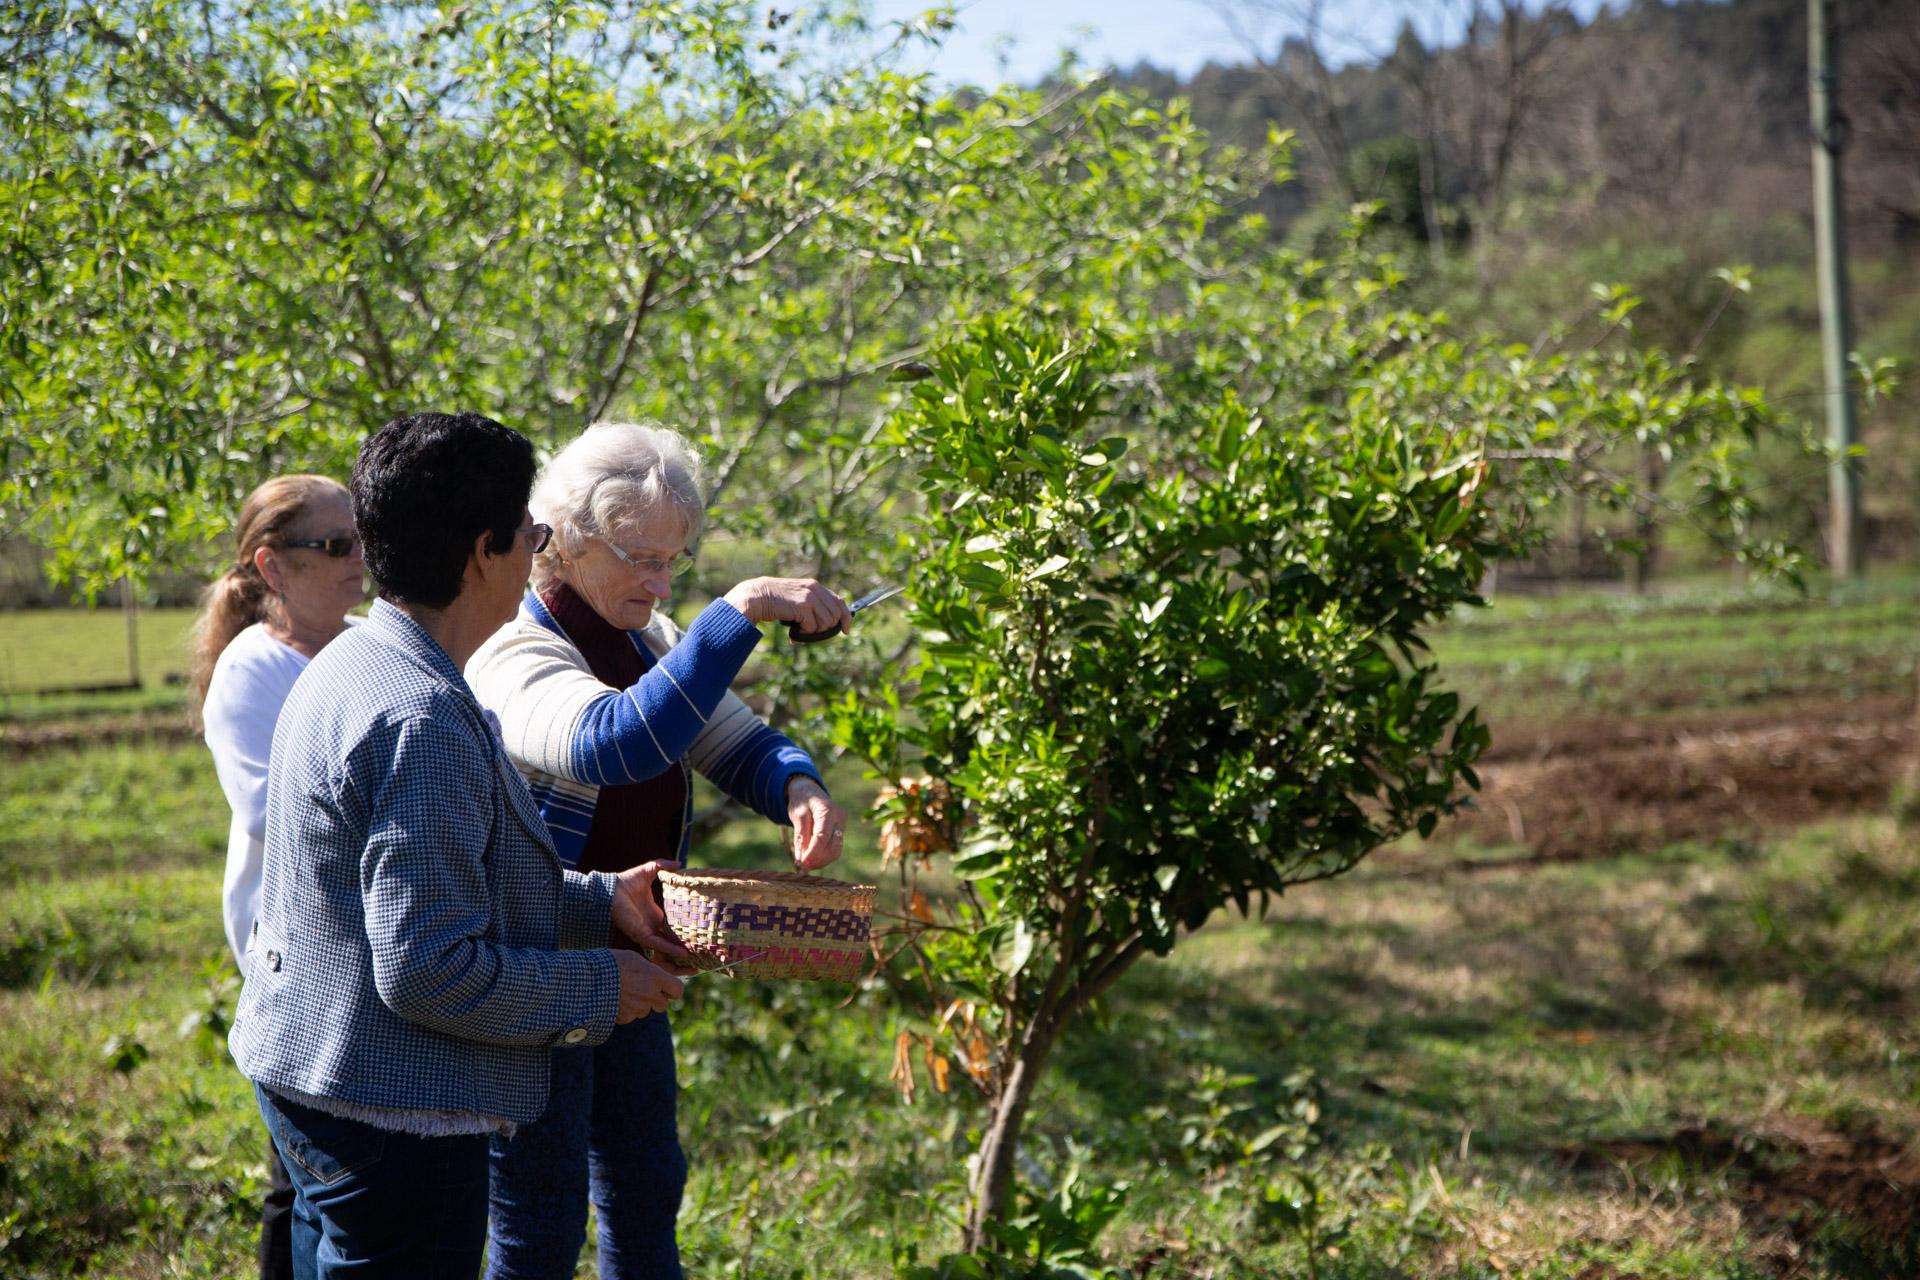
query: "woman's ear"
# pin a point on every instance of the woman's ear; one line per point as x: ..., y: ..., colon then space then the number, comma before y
x: 268, y: 565
x: 485, y: 561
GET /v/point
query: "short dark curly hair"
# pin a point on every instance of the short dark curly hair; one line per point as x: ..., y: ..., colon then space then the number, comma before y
x: 424, y: 487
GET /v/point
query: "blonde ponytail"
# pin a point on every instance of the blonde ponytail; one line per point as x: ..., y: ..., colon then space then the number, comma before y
x: 240, y: 597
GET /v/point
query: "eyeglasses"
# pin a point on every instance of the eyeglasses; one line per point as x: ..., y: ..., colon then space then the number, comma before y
x: 543, y: 534
x: 337, y: 548
x: 647, y: 568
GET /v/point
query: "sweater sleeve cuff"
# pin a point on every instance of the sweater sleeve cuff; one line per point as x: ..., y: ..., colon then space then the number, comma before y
x: 723, y: 631
x: 791, y: 763
x: 586, y: 912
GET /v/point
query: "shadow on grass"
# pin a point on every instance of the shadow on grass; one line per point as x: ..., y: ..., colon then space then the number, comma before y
x: 1393, y: 1063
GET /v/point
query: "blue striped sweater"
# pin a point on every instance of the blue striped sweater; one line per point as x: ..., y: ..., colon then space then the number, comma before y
x: 571, y: 735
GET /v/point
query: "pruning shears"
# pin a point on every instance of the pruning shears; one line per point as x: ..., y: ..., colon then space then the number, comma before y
x: 795, y: 634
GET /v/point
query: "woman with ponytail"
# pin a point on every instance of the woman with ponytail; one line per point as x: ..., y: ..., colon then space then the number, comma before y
x: 296, y: 572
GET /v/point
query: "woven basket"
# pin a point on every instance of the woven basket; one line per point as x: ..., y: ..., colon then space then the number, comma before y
x: 806, y: 926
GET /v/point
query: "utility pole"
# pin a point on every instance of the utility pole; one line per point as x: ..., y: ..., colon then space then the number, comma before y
x: 131, y: 612
x: 1830, y: 263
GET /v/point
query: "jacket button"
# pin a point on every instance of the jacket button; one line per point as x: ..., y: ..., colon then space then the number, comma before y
x: 575, y: 1036
x: 273, y: 961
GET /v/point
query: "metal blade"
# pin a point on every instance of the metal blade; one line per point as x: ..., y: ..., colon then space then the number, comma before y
x: 875, y: 597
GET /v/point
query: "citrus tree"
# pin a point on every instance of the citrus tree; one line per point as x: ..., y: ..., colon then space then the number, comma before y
x: 1151, y: 695
x: 1170, y: 654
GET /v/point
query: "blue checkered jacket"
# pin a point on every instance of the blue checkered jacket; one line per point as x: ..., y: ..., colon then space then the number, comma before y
x: 414, y: 945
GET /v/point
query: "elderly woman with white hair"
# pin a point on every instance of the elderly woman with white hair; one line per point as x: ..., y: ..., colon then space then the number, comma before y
x: 603, y: 704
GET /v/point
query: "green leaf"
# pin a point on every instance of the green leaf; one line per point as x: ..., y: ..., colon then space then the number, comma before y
x: 1267, y: 1137
x: 1013, y: 947
x: 979, y: 858
x: 1052, y: 564
x: 1048, y: 448
x: 979, y: 577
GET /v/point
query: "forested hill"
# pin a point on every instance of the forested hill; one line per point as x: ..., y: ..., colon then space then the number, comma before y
x: 1661, y: 148
x: 1665, y: 113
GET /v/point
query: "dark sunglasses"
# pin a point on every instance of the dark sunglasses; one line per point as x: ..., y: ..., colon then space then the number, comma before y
x: 543, y: 534
x: 338, y: 548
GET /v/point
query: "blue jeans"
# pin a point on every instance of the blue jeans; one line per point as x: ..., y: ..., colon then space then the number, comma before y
x: 609, y: 1129
x: 371, y: 1204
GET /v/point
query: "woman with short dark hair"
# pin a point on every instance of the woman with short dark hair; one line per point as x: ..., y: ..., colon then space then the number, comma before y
x: 419, y: 948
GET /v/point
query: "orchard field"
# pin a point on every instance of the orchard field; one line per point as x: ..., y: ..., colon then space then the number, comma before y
x: 1646, y: 1010
x: 1185, y: 411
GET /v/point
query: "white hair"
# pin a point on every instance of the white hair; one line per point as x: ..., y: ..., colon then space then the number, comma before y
x: 617, y: 480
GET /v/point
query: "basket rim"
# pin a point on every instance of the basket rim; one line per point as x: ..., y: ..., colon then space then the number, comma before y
x: 720, y: 877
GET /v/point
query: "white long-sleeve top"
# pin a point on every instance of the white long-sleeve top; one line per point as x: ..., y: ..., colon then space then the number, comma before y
x: 250, y: 684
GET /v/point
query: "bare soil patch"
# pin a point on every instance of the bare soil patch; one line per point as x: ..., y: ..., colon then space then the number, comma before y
x: 1571, y: 790
x: 21, y: 738
x: 1792, y: 1173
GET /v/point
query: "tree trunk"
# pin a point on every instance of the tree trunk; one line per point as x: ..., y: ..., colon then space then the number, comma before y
x: 1906, y: 790
x: 993, y: 1173
x: 1646, y: 531
x: 1430, y: 187
x: 132, y: 613
x: 1577, y: 540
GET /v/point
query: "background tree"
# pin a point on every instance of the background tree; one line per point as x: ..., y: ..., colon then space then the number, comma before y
x: 248, y: 236
x: 1284, y: 41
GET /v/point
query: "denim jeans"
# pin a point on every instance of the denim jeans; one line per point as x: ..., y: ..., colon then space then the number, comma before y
x: 370, y: 1204
x: 609, y: 1131
x: 276, y: 1220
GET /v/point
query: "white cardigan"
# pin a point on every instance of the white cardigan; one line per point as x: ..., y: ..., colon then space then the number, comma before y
x: 250, y: 683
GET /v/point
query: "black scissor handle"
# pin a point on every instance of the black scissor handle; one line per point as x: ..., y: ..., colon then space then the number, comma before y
x: 795, y: 634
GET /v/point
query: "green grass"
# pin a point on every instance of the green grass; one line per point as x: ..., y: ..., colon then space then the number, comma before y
x: 1586, y: 654
x: 67, y: 813
x: 1526, y: 658
x: 42, y: 648
x: 1444, y: 1047
x: 1450, y: 1053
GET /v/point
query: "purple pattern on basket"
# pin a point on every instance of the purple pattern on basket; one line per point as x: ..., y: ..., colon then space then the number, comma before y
x: 826, y: 923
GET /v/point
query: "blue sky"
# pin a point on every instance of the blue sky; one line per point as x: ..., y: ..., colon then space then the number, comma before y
x: 1020, y: 40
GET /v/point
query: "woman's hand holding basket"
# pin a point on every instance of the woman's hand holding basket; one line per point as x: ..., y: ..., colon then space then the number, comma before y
x: 638, y: 914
